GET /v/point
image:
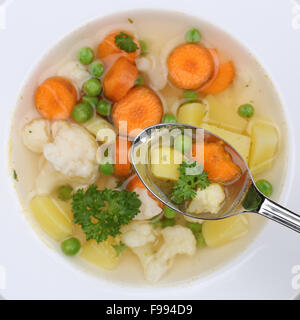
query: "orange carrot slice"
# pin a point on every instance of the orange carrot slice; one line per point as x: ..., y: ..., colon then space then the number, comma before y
x: 122, y: 165
x: 190, y: 66
x: 119, y: 79
x: 216, y: 60
x: 139, y: 109
x: 55, y: 98
x: 218, y: 163
x: 135, y: 183
x: 222, y: 81
x: 108, y: 47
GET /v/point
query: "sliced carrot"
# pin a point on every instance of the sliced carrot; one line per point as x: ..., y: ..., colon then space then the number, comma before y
x: 222, y: 81
x: 216, y: 59
x: 55, y: 98
x: 135, y: 183
x: 108, y: 47
x: 190, y: 66
x: 122, y: 165
x: 139, y: 109
x: 218, y: 163
x: 119, y: 79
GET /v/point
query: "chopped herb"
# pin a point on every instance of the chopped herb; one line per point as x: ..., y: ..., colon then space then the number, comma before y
x: 120, y: 183
x: 15, y: 175
x: 191, y: 176
x: 101, y: 213
x: 130, y: 20
x: 30, y: 131
x: 144, y: 48
x: 125, y: 42
x: 119, y: 248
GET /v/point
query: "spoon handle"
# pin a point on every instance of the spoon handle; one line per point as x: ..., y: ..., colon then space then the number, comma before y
x: 276, y: 212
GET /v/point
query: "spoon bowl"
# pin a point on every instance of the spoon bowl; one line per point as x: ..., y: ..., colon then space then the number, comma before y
x: 242, y: 194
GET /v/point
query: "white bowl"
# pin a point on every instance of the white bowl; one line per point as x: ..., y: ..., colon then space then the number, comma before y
x: 264, y: 270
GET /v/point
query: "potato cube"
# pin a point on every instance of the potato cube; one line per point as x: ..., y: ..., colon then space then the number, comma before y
x: 191, y: 113
x: 239, y: 141
x: 223, y: 112
x: 165, y: 163
x: 53, y: 216
x: 220, y: 232
x: 101, y: 254
x: 264, y: 147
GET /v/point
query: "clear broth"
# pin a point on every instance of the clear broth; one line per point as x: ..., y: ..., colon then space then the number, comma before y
x: 148, y: 25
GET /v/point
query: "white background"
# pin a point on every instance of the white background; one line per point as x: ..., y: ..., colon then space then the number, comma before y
x: 34, y: 26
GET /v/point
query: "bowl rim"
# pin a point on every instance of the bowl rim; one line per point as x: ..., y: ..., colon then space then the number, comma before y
x: 291, y: 167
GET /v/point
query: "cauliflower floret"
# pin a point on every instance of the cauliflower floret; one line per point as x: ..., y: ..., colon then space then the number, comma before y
x: 149, y: 207
x: 49, y: 179
x: 138, y: 234
x: 208, y: 200
x: 155, y: 69
x: 177, y: 240
x: 74, y: 71
x: 36, y: 134
x: 72, y: 152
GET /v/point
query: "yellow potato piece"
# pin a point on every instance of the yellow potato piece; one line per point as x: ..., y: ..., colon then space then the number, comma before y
x: 223, y: 112
x: 221, y: 232
x: 54, y: 216
x: 165, y: 163
x: 191, y: 113
x: 102, y: 254
x: 264, y: 147
x: 239, y: 141
x: 102, y: 129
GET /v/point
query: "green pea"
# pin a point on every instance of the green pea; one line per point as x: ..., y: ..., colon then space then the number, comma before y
x: 168, y: 223
x: 194, y: 226
x: 193, y: 35
x: 183, y: 143
x: 169, y: 118
x: 96, y: 69
x: 93, y: 101
x: 190, y: 95
x: 86, y: 55
x: 265, y: 187
x: 200, y: 240
x: 92, y: 87
x: 139, y: 81
x: 104, y: 108
x: 82, y: 112
x: 246, y: 110
x: 143, y: 45
x: 252, y: 200
x: 169, y: 213
x: 65, y: 192
x: 71, y: 247
x: 107, y: 169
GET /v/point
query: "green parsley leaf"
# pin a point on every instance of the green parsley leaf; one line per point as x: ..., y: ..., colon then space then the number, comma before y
x: 119, y: 248
x: 125, y: 42
x: 15, y: 175
x: 101, y: 213
x: 130, y: 20
x: 191, y: 176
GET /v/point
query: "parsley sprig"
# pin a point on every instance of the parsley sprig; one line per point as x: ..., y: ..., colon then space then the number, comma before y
x: 125, y: 42
x: 191, y: 176
x: 101, y: 213
x: 119, y: 248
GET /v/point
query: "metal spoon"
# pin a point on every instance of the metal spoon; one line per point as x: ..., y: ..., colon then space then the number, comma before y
x: 243, y: 198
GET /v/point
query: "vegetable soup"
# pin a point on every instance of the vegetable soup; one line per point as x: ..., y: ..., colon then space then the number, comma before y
x: 86, y: 101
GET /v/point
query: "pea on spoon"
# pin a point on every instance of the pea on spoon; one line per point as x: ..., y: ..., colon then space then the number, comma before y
x: 244, y: 197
